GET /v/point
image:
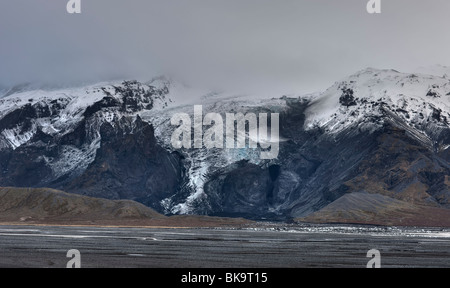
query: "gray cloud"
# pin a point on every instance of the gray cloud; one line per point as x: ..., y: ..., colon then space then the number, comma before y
x: 298, y: 45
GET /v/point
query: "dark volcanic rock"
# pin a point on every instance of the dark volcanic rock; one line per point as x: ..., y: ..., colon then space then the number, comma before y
x: 130, y: 165
x: 402, y: 168
x: 242, y: 189
x: 347, y: 99
x: 106, y: 102
x: 18, y: 117
x: 25, y: 167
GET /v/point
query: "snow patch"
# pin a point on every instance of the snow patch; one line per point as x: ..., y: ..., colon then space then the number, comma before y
x: 15, y: 138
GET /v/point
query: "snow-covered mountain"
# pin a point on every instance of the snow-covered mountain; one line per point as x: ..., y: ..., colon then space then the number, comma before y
x: 419, y: 103
x: 58, y: 113
x: 377, y: 131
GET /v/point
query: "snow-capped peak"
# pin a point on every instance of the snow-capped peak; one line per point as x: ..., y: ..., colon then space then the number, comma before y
x: 416, y: 98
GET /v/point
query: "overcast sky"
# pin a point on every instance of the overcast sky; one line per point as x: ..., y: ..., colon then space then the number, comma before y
x: 300, y: 45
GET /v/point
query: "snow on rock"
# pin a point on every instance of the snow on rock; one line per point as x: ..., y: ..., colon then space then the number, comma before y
x: 15, y: 138
x: 365, y: 101
x: 365, y: 98
x: 70, y: 119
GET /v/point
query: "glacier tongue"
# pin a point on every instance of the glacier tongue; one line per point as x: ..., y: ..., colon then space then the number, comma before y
x: 205, y: 161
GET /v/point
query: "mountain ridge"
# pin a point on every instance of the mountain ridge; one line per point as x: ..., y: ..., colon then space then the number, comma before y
x: 377, y: 131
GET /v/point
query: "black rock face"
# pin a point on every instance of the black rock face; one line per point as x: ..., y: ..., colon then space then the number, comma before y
x: 242, y: 189
x: 18, y: 117
x: 129, y: 165
x: 25, y: 167
x: 106, y: 102
x: 347, y: 99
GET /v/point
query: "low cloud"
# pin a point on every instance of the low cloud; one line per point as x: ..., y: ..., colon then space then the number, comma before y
x: 299, y: 46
